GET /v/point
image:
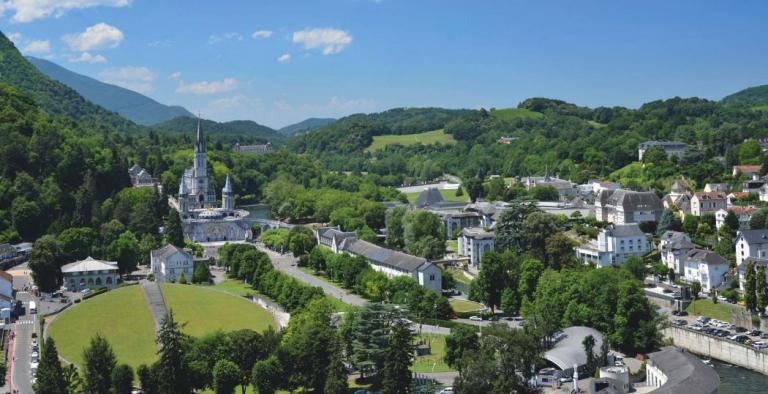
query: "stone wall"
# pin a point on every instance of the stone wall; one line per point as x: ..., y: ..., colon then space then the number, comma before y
x: 719, y: 348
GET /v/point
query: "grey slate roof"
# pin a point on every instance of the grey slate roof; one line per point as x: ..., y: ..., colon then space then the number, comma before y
x: 570, y: 350
x: 429, y: 197
x: 680, y: 244
x: 89, y: 264
x: 625, y: 230
x: 754, y: 236
x: 166, y: 251
x: 686, y: 374
x: 706, y: 256
x: 630, y: 200
x: 661, y: 144
x: 477, y: 233
x: 334, y: 234
x: 384, y: 256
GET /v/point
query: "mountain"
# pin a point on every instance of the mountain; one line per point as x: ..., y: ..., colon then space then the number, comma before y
x: 134, y: 106
x: 53, y: 96
x: 754, y: 96
x: 305, y: 125
x: 244, y: 131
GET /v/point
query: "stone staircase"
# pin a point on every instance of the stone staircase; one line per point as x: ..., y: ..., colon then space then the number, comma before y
x: 156, y: 302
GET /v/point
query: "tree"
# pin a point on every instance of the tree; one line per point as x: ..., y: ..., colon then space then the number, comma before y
x: 172, y: 372
x: 750, y: 291
x: 336, y: 380
x: 558, y: 251
x: 758, y: 219
x: 182, y: 279
x: 495, y: 189
x: 474, y: 188
x: 494, y: 277
x: 50, y: 375
x: 671, y: 274
x: 125, y: 251
x: 695, y: 289
x: 666, y: 221
x: 73, y: 381
x: 226, y: 376
x: 393, y: 220
x: 509, y: 235
x: 301, y: 244
x: 635, y: 322
x: 146, y: 246
x: 459, y: 191
x: 173, y: 232
x: 589, y: 350
x: 317, y: 259
x: 462, y: 339
x: 99, y: 360
x: 202, y: 274
x: 122, y: 379
x: 147, y: 379
x: 267, y: 375
x: 690, y: 224
x: 732, y: 221
x: 750, y: 152
x: 396, y: 375
x: 246, y: 347
x: 761, y: 289
x: 45, y: 261
x: 424, y: 234
x: 635, y: 266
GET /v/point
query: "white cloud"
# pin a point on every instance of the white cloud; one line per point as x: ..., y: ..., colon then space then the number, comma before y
x: 284, y: 58
x: 237, y: 100
x: 175, y: 76
x: 37, y: 46
x: 260, y: 34
x: 330, y: 40
x: 208, y: 87
x: 138, y: 79
x: 86, y: 57
x: 159, y: 44
x: 214, y: 39
x: 98, y: 36
x: 29, y: 10
x: 15, y: 37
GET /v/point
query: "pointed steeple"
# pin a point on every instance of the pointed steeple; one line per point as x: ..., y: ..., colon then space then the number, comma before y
x: 200, y: 142
x: 227, y: 186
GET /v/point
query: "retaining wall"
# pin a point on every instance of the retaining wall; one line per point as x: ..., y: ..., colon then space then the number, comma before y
x: 719, y: 348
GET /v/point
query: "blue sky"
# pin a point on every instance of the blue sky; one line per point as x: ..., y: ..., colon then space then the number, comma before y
x: 278, y: 62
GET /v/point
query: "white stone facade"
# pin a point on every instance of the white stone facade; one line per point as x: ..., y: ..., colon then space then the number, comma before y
x: 475, y: 243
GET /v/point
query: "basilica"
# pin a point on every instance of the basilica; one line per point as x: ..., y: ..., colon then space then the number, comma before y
x: 202, y: 220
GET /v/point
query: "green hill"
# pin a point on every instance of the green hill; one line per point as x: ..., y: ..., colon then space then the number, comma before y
x: 305, y: 125
x: 426, y: 138
x: 515, y: 113
x: 243, y: 131
x: 134, y: 106
x: 53, y: 96
x: 754, y: 96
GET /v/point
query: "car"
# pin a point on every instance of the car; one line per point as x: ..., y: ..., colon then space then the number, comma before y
x: 447, y: 390
x: 721, y: 298
x: 475, y: 318
x: 764, y: 335
x: 760, y: 345
x: 676, y: 313
x: 681, y: 322
x: 85, y: 291
x: 755, y: 333
x: 740, y: 329
x: 703, y: 319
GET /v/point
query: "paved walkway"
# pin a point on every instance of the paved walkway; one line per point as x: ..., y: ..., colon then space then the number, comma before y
x: 156, y: 302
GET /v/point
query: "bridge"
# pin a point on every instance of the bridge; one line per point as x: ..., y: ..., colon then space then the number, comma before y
x: 266, y: 224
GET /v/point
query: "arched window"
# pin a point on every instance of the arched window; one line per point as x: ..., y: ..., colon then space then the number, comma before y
x: 98, y: 281
x: 109, y: 280
x: 90, y: 281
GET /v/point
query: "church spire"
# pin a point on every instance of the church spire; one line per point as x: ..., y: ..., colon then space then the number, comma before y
x: 200, y: 142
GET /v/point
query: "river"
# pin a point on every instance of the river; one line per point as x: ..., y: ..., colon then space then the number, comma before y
x: 737, y: 380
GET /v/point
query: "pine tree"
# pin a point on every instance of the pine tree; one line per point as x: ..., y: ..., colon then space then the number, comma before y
x: 396, y: 375
x: 73, y: 381
x: 202, y: 274
x: 761, y: 289
x: 667, y: 218
x: 172, y: 373
x: 147, y: 379
x: 336, y: 380
x: 173, y: 232
x: 50, y: 375
x: 750, y: 296
x: 99, y: 362
x: 122, y: 379
x: 182, y: 279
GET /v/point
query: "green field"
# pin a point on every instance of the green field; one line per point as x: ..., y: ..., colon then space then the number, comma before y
x: 704, y: 307
x: 761, y: 107
x: 206, y: 310
x: 448, y: 195
x: 121, y: 316
x: 435, y: 359
x: 426, y: 138
x: 465, y: 306
x: 236, y: 287
x: 515, y: 113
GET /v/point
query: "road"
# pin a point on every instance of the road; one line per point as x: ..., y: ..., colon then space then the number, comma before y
x: 288, y: 264
x: 21, y: 349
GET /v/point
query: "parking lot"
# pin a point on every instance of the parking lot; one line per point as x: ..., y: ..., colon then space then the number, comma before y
x: 722, y: 330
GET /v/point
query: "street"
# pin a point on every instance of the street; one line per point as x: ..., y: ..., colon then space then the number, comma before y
x: 21, y: 348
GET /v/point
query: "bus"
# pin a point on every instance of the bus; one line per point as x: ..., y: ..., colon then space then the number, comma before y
x: 32, y: 307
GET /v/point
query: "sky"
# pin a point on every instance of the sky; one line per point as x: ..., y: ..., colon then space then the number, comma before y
x: 280, y: 61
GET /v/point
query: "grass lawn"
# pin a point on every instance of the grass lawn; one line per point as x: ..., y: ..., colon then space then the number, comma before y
x: 121, y: 316
x: 338, y: 305
x: 761, y: 107
x: 719, y: 311
x: 206, y: 310
x: 448, y: 195
x: 236, y: 287
x: 515, y: 113
x: 426, y: 363
x: 459, y: 276
x: 426, y: 138
x: 452, y: 244
x: 465, y: 306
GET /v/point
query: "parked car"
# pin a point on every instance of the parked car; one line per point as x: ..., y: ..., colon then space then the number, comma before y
x: 447, y: 390
x: 475, y: 318
x: 703, y: 319
x: 755, y: 333
x: 740, y: 329
x: 760, y: 345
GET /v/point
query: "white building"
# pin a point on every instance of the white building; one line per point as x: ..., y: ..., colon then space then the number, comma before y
x: 671, y: 148
x: 6, y: 290
x: 704, y: 202
x: 169, y: 262
x: 705, y: 267
x: 614, y: 244
x: 743, y: 213
x: 626, y: 206
x: 334, y: 239
x: 673, y: 254
x: 475, y: 242
x: 750, y: 245
x: 90, y: 273
x: 565, y: 189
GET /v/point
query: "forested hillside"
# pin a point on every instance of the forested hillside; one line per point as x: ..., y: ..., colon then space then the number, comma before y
x: 306, y: 125
x: 243, y: 131
x: 754, y: 96
x: 52, y: 96
x: 553, y: 136
x: 132, y: 105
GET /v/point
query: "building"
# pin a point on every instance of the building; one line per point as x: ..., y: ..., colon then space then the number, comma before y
x: 431, y: 198
x: 90, y: 273
x: 674, y: 254
x: 705, y: 267
x: 614, y: 244
x: 505, y: 140
x: 6, y: 290
x: 490, y: 212
x: 717, y: 187
x: 9, y: 256
x: 743, y: 213
x: 671, y: 236
x: 671, y: 148
x: 454, y: 221
x: 733, y: 197
x: 334, y: 239
x: 169, y: 262
x: 751, y: 246
x: 201, y: 220
x: 475, y: 242
x: 762, y: 194
x: 626, y: 206
x: 253, y: 149
x: 753, y: 185
x: 745, y: 170
x: 704, y: 202
x: 675, y: 371
x: 569, y: 351
x: 566, y: 189
x: 140, y: 177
